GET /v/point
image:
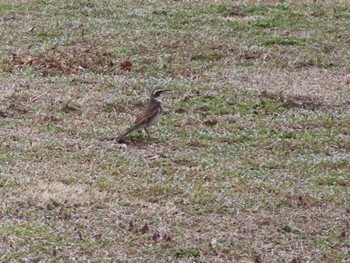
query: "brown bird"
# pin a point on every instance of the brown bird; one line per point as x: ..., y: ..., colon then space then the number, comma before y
x: 149, y: 117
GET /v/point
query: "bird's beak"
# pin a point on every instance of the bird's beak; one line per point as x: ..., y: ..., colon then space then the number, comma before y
x: 166, y: 90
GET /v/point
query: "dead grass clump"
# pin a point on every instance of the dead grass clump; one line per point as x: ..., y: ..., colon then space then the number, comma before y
x: 70, y: 107
x: 256, y: 55
x: 293, y: 101
x: 235, y: 11
x: 59, y: 61
x: 47, y: 192
x: 16, y: 105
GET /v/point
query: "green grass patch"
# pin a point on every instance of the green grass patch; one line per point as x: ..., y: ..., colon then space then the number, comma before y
x: 251, y: 153
x: 279, y: 41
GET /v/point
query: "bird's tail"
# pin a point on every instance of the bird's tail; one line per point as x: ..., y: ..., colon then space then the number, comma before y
x: 121, y: 137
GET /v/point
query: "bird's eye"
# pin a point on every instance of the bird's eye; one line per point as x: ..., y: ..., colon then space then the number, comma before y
x: 157, y: 93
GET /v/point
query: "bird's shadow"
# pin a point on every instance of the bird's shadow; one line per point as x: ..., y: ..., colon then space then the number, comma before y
x: 140, y: 138
x: 137, y: 138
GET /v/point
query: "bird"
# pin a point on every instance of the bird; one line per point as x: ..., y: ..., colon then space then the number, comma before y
x: 151, y: 115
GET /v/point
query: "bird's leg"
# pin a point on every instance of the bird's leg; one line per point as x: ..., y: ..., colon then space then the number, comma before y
x: 149, y: 137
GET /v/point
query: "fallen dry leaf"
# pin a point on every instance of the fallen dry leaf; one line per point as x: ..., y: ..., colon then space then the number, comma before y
x: 156, y: 236
x: 126, y: 65
x: 347, y: 79
x: 210, y: 122
x: 144, y: 228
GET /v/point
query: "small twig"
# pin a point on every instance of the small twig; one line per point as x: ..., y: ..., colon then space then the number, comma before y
x: 107, y: 138
x: 37, y: 97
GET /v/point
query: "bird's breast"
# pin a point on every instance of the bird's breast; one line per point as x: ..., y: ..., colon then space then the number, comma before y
x: 156, y: 118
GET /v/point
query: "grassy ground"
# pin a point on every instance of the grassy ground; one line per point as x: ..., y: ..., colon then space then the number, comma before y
x: 250, y: 164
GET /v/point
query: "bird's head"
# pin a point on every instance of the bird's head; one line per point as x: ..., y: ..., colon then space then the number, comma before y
x: 157, y: 92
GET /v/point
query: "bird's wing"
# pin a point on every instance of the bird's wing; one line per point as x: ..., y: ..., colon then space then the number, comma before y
x: 145, y: 117
x: 151, y: 111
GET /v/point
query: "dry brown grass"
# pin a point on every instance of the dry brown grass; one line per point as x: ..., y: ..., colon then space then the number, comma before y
x: 250, y: 163
x: 55, y: 61
x: 327, y: 86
